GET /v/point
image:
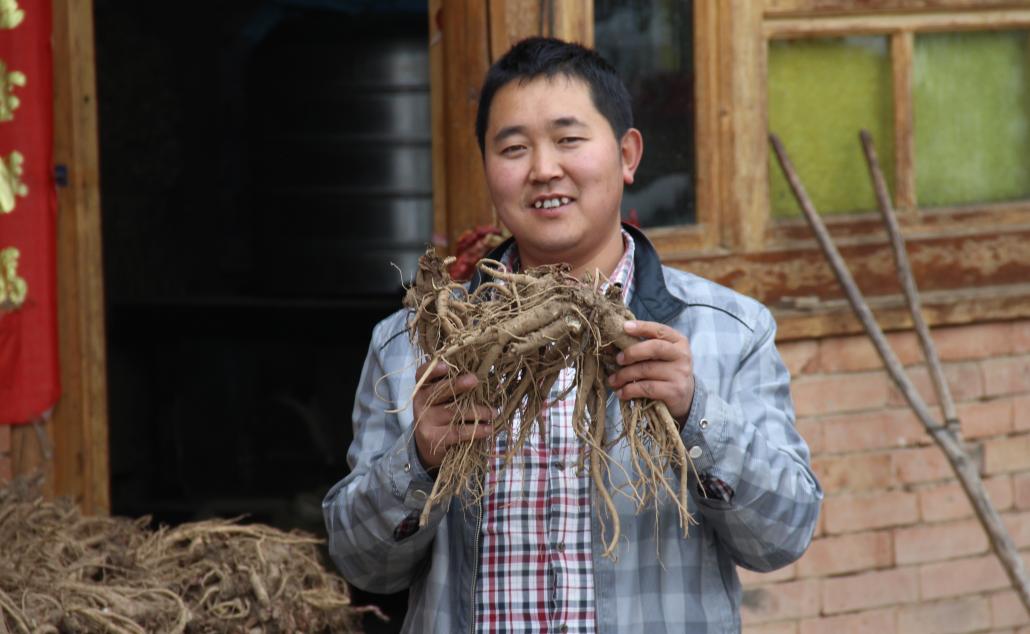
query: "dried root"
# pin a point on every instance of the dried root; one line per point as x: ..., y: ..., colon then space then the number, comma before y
x: 62, y: 573
x: 517, y: 334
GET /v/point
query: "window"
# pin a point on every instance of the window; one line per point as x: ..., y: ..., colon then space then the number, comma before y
x: 650, y: 43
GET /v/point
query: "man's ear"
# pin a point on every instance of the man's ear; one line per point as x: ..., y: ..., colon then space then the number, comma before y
x: 632, y: 149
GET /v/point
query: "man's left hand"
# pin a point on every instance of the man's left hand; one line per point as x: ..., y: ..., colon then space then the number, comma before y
x: 660, y: 367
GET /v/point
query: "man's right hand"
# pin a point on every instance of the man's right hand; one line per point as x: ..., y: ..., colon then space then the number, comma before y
x: 434, y: 409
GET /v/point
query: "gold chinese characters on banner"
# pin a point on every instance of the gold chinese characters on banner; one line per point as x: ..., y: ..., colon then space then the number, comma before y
x: 13, y: 289
x: 10, y: 15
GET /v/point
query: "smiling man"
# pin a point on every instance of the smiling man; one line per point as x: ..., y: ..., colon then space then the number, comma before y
x: 555, y: 129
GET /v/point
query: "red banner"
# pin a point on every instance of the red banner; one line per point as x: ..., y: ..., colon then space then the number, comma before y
x: 29, y: 375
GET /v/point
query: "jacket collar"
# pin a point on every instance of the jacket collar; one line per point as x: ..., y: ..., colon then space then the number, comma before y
x: 651, y: 299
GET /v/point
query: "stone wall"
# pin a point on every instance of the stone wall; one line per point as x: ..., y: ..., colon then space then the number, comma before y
x: 897, y: 549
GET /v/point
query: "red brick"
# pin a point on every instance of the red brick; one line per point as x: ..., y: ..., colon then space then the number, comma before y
x: 6, y: 469
x: 979, y: 341
x: 855, y: 472
x: 1006, y: 375
x: 773, y: 628
x: 812, y: 431
x: 780, y: 602
x: 849, y: 553
x: 750, y: 578
x: 935, y: 542
x: 985, y: 418
x: 5, y: 439
x: 1005, y: 455
x: 1007, y: 610
x: 877, y: 430
x: 1021, y: 413
x: 873, y: 622
x: 857, y: 353
x: 946, y: 617
x: 1021, y: 488
x: 854, y: 514
x: 1018, y: 526
x: 800, y: 357
x: 949, y: 501
x: 964, y: 381
x: 819, y: 395
x: 1020, y: 337
x: 962, y: 576
x: 925, y: 464
x: 870, y: 590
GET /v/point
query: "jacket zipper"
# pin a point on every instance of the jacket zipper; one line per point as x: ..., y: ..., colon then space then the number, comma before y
x: 475, y: 570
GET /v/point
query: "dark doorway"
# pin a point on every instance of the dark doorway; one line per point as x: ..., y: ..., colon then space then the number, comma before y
x: 244, y: 245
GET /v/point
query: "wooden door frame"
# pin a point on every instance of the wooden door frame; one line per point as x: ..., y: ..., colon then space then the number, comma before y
x: 75, y: 458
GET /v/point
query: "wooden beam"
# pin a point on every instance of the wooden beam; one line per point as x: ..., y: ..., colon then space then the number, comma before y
x: 995, y: 19
x: 940, y: 308
x: 709, y: 130
x: 902, y: 51
x: 940, y: 263
x: 79, y: 424
x: 466, y: 54
x: 745, y: 163
x: 574, y: 21
x: 815, y: 8
x: 438, y: 121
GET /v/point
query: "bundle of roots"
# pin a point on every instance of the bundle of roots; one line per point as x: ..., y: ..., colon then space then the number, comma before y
x: 61, y: 572
x: 517, y: 334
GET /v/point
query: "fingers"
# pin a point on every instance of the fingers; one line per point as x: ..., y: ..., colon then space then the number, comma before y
x: 645, y: 371
x: 652, y: 349
x: 435, y: 371
x: 653, y: 330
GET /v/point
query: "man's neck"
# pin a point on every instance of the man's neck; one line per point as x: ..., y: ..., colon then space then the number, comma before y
x: 606, y: 259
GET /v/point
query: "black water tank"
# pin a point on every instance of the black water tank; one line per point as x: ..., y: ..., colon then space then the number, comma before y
x: 340, y: 153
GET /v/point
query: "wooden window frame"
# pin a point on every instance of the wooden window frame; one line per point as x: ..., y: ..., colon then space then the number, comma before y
x: 972, y: 262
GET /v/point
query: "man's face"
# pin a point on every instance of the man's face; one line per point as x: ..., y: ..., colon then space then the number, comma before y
x: 555, y: 169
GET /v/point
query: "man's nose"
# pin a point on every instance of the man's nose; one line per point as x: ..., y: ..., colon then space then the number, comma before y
x: 546, y: 166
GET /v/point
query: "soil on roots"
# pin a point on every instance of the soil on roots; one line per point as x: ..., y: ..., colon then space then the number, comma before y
x: 517, y: 332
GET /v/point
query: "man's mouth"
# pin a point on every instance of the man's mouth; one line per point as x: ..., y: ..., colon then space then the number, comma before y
x: 550, y: 203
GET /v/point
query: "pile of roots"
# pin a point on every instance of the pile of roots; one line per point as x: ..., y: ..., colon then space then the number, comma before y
x: 62, y: 572
x: 517, y: 333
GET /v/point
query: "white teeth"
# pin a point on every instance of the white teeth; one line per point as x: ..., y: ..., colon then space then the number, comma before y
x: 551, y: 203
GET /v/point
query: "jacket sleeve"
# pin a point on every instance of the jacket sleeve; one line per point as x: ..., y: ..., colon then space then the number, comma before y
x: 386, y: 486
x: 748, y: 441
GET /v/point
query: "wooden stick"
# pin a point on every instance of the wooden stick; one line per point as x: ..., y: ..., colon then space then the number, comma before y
x: 908, y: 286
x: 956, y: 453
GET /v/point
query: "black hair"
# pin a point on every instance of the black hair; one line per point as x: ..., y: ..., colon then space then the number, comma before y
x: 546, y: 57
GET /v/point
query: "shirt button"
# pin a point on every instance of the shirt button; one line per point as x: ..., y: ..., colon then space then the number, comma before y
x: 418, y: 494
x: 561, y: 547
x: 704, y: 423
x: 560, y: 464
x: 695, y: 452
x: 407, y: 467
x: 563, y: 628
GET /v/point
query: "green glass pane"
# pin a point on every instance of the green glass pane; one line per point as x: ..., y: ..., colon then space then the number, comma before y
x: 971, y: 115
x: 821, y: 93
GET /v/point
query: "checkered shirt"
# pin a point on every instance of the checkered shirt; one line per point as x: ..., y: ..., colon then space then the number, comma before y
x: 536, y: 570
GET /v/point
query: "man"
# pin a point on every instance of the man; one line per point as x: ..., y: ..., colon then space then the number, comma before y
x: 554, y: 126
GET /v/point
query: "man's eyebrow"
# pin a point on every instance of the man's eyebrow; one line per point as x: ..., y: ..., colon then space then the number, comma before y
x: 566, y: 122
x: 510, y: 131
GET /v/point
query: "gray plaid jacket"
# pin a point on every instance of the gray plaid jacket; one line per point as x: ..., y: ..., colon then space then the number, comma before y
x: 742, y: 418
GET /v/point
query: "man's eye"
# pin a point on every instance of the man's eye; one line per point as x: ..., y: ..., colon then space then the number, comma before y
x: 570, y: 139
x: 512, y: 149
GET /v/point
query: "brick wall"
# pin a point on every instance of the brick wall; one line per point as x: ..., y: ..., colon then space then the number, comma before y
x: 897, y: 549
